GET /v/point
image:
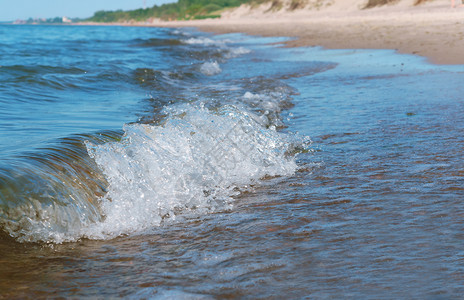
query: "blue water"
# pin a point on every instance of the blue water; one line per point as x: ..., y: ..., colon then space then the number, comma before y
x: 167, y: 163
x: 58, y: 81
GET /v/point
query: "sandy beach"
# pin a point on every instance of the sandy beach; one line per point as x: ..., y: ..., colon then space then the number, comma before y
x: 433, y: 29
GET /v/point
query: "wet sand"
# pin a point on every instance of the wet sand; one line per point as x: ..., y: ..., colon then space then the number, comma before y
x: 433, y: 30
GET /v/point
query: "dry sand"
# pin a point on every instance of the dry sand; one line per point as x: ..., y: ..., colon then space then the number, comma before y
x: 433, y: 29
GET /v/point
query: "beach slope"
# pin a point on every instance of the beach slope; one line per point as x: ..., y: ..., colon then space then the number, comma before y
x: 432, y: 29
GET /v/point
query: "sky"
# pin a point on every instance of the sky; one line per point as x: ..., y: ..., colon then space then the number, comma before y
x: 11, y: 10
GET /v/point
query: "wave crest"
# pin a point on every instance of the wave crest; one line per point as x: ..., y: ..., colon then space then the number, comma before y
x: 197, y: 161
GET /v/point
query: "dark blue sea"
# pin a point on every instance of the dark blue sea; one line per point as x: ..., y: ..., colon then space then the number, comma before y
x: 160, y: 163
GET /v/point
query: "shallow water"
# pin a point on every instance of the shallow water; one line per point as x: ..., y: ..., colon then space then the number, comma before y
x: 214, y: 189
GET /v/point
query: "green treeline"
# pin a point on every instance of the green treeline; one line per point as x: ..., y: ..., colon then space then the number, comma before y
x: 201, y: 9
x: 181, y: 10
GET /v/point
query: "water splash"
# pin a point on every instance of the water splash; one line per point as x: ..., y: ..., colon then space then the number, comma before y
x: 197, y: 161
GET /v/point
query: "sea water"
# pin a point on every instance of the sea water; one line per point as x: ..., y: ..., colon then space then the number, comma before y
x: 167, y: 163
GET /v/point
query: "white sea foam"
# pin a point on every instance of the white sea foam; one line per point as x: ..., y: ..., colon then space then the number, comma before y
x: 270, y: 104
x: 235, y: 52
x: 210, y: 68
x: 181, y: 32
x: 231, y: 52
x: 266, y: 102
x: 196, y: 162
x: 203, y: 41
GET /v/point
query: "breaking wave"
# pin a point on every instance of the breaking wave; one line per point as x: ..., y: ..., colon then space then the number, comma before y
x: 202, y: 141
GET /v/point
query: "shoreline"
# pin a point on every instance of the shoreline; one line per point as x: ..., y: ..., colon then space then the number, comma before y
x: 433, y: 30
x: 429, y: 41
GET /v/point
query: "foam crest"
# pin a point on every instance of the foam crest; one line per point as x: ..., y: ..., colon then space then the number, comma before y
x: 269, y: 105
x: 270, y: 102
x: 229, y: 52
x: 196, y: 162
x: 235, y: 52
x: 210, y: 68
x: 202, y: 41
